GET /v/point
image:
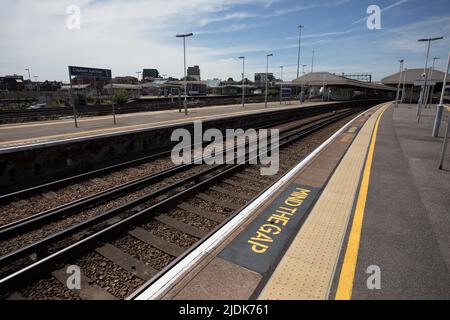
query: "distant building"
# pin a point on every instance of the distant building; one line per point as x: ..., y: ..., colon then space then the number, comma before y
x: 319, y: 84
x: 194, y: 72
x: 149, y: 74
x: 96, y: 83
x: 412, y: 92
x: 12, y: 83
x: 125, y: 80
x: 261, y: 77
x: 50, y: 86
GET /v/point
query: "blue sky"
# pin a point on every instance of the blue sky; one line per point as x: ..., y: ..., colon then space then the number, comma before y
x: 127, y: 36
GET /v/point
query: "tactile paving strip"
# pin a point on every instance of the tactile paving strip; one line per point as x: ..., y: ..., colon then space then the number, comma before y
x: 306, y: 270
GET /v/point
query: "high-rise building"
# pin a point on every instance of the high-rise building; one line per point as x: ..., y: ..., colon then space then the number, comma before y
x: 261, y: 77
x: 150, y: 74
x: 194, y: 72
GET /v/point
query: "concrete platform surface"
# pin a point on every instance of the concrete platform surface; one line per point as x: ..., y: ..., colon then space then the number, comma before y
x: 234, y: 254
x: 13, y: 135
x: 405, y: 231
x: 378, y: 230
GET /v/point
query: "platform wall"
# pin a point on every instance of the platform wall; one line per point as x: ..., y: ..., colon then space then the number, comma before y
x: 43, y: 163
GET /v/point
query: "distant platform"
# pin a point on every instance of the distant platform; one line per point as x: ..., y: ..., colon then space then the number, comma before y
x: 45, y: 132
x: 369, y: 219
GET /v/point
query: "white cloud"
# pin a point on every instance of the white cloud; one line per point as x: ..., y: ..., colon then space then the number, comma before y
x: 405, y: 38
x: 123, y: 35
x: 396, y: 4
x: 319, y: 35
x: 280, y: 12
x: 229, y: 16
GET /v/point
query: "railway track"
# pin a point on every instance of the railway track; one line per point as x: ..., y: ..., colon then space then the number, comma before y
x: 121, y: 237
x: 126, y: 170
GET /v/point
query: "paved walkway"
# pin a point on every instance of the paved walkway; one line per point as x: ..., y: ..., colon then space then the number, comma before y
x: 407, y: 215
x: 380, y: 228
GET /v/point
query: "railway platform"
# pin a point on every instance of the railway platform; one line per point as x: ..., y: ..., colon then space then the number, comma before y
x: 365, y: 216
x: 13, y: 136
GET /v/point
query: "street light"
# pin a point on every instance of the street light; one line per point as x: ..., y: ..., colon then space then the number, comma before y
x: 185, y: 80
x: 399, y: 82
x: 267, y: 75
x: 404, y: 85
x: 281, y: 83
x: 303, y: 68
x: 243, y: 77
x: 299, y: 44
x: 138, y: 74
x: 312, y: 62
x: 29, y: 76
x: 429, y: 87
x: 37, y: 83
x: 440, y: 106
x: 419, y: 105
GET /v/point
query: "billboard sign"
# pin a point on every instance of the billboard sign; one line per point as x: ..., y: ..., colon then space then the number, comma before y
x: 286, y: 92
x: 90, y: 72
x: 418, y: 83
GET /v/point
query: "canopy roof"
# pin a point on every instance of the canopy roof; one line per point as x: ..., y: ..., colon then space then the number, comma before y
x: 412, y: 75
x: 329, y: 79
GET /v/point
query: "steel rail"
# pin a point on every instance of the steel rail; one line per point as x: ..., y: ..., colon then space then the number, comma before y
x: 18, y: 277
x: 36, y: 220
x: 79, y: 177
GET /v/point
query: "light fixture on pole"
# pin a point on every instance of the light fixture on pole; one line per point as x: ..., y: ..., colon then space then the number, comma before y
x: 243, y: 77
x: 440, y: 107
x: 138, y: 74
x: 422, y: 93
x: 404, y: 85
x: 267, y: 75
x: 281, y: 83
x: 37, y: 83
x: 312, y: 61
x: 429, y: 87
x: 399, y: 82
x: 299, y: 45
x: 303, y: 68
x: 184, y: 36
x: 29, y: 76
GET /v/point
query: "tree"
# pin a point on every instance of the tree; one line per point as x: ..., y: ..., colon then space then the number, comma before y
x: 120, y: 96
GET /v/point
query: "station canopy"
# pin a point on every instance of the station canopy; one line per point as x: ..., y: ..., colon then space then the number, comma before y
x: 413, y: 75
x: 329, y: 79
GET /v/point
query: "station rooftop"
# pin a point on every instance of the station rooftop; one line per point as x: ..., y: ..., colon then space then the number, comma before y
x: 329, y: 79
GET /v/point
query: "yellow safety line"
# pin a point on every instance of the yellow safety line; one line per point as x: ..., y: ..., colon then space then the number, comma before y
x: 346, y: 278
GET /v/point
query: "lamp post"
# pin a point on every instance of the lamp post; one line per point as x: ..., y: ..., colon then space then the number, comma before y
x: 303, y: 68
x: 281, y: 83
x: 37, y: 83
x: 138, y: 74
x: 419, y: 105
x: 429, y: 87
x: 267, y: 75
x: 243, y: 77
x: 399, y: 82
x: 185, y: 80
x: 404, y: 85
x: 29, y: 76
x: 312, y: 62
x: 440, y: 107
x: 300, y: 27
